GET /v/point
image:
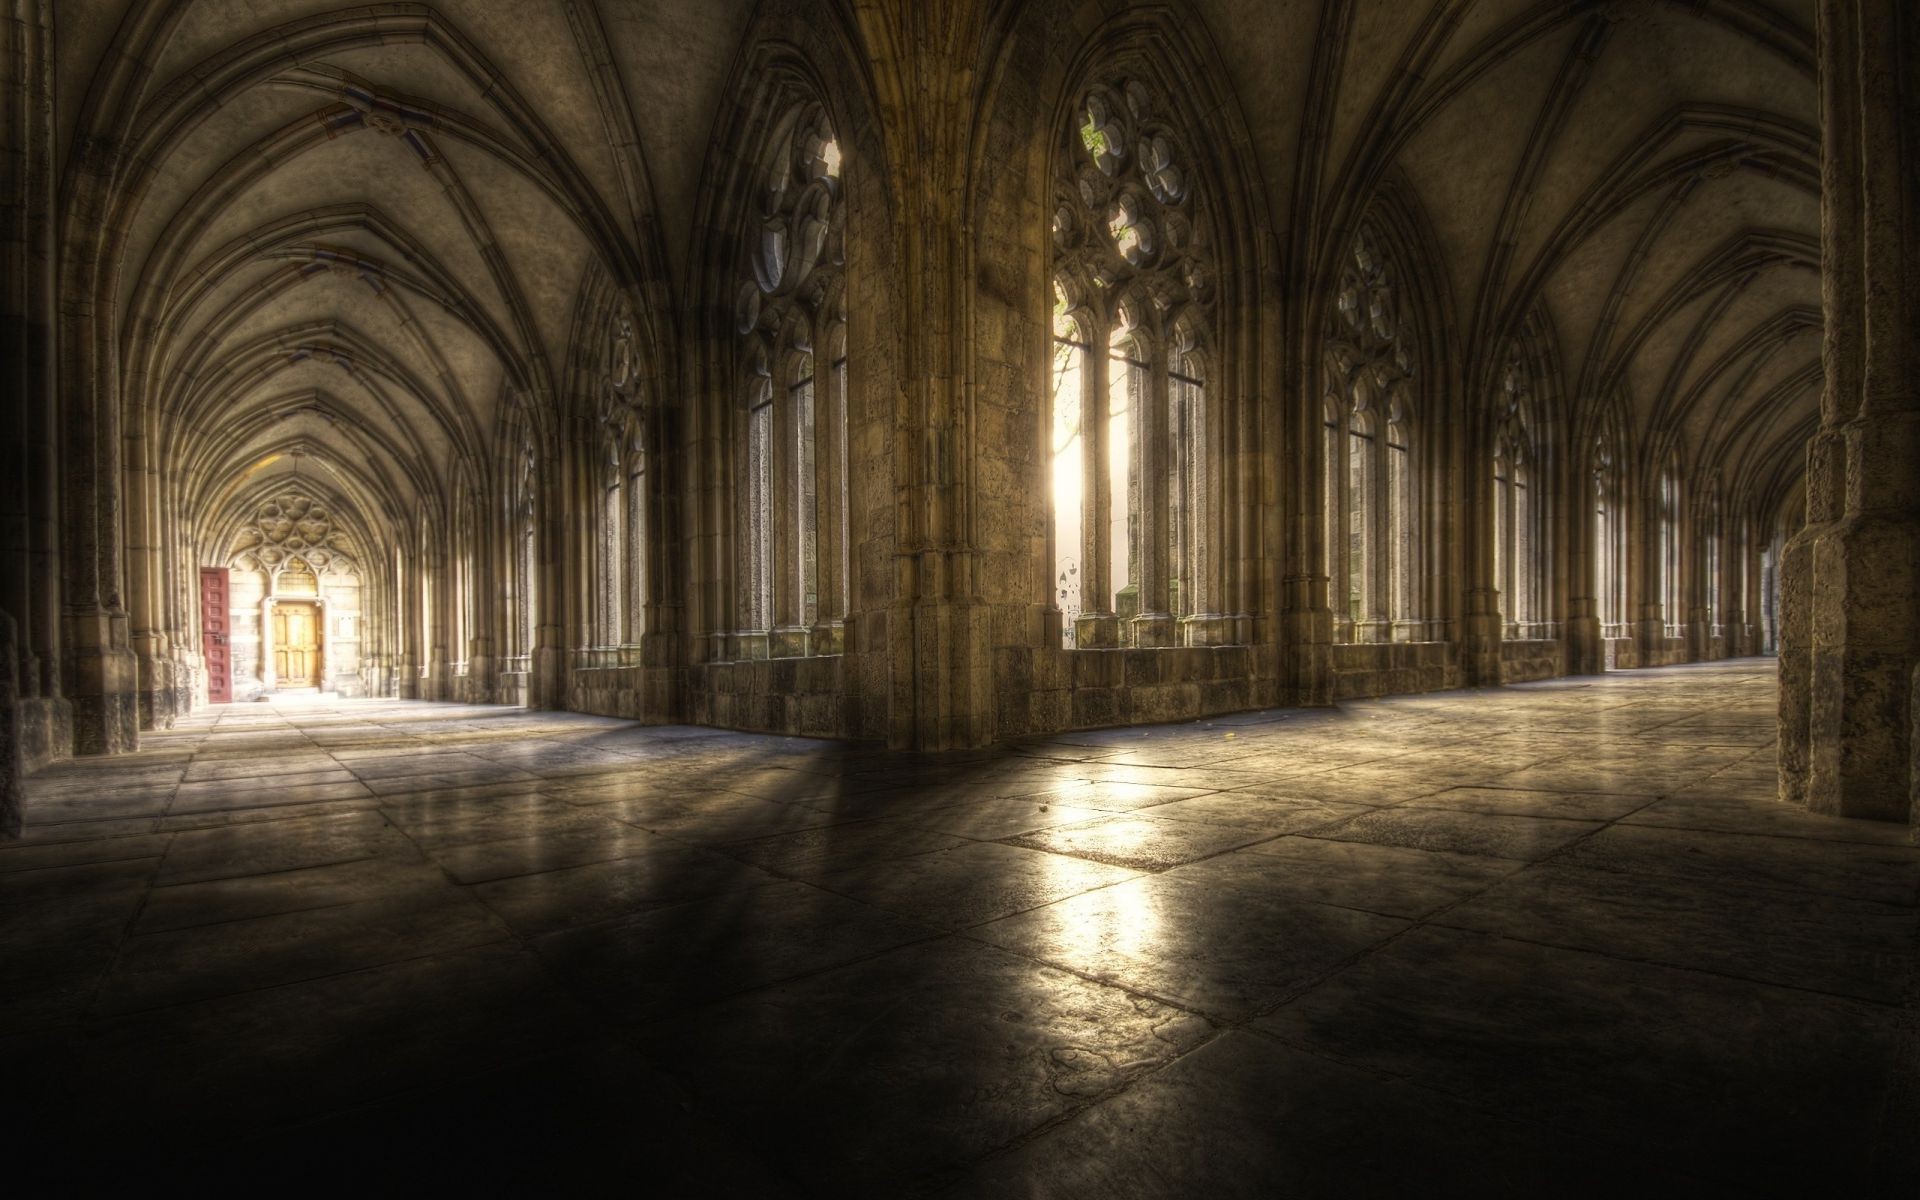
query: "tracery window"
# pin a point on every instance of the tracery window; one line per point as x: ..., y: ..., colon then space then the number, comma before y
x: 293, y: 532
x: 524, y: 592
x: 1370, y: 365
x: 1134, y: 447
x: 1519, y: 554
x: 1770, y: 598
x: 1710, y: 593
x: 619, y: 479
x: 790, y: 312
x: 1609, y: 543
x: 1668, y: 515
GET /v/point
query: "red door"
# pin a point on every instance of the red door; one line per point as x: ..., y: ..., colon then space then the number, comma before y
x: 213, y: 634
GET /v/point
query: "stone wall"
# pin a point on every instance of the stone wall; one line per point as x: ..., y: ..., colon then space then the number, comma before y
x: 1048, y: 690
x: 1526, y: 661
x: 776, y: 695
x: 1368, y: 669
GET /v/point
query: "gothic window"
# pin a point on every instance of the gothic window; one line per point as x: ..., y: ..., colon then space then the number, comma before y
x: 1133, y: 446
x: 1669, y: 550
x: 608, y: 587
x: 524, y: 557
x: 618, y: 480
x: 1769, y: 598
x: 792, y: 455
x: 1190, y: 491
x: 1518, y: 554
x: 1609, y: 543
x: 635, y: 535
x: 291, y: 533
x: 1711, y: 592
x: 1067, y: 456
x: 1370, y: 353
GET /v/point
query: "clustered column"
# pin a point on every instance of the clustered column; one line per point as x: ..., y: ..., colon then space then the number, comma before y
x: 1850, y: 629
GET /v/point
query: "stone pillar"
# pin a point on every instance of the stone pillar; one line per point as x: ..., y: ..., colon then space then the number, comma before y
x: 13, y: 773
x: 29, y: 464
x: 1096, y: 626
x: 1153, y: 570
x: 1847, y: 724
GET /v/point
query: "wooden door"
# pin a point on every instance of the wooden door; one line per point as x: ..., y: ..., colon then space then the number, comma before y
x: 296, y: 644
x: 213, y: 634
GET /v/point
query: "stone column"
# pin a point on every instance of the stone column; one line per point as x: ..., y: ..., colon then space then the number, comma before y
x: 1153, y: 625
x: 1483, y: 628
x: 1096, y: 626
x: 29, y: 466
x: 13, y: 775
x: 1851, y: 589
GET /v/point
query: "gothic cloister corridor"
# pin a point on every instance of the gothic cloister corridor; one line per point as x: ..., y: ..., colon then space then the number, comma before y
x: 1124, y: 599
x: 1459, y: 941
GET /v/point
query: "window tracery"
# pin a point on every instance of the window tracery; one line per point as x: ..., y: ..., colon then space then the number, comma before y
x: 1669, y: 550
x: 790, y: 303
x: 523, y: 515
x: 1134, y: 446
x: 1519, y: 550
x: 291, y: 533
x: 1371, y: 356
x: 619, y: 483
x: 1609, y: 541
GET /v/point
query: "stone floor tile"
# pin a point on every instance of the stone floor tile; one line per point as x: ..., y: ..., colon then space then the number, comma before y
x: 1173, y: 939
x: 156, y: 1087
x: 256, y: 849
x: 273, y: 793
x: 1521, y: 802
x: 1257, y: 810
x: 971, y: 884
x: 1772, y: 1086
x: 1823, y: 943
x: 1760, y: 811
x: 1526, y: 838
x: 543, y: 850
x: 196, y: 963
x: 1144, y: 843
x: 637, y: 967
x: 1396, y: 880
x: 810, y: 853
x: 1888, y: 874
x: 238, y: 898
x: 1124, y: 795
x: 1244, y: 1116
x: 665, y: 872
x: 991, y: 820
x: 877, y: 1075
x: 32, y: 856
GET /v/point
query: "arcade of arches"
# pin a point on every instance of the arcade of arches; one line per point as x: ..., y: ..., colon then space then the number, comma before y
x: 449, y: 446
x: 717, y: 366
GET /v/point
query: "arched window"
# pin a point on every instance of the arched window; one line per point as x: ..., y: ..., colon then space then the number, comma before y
x: 1370, y: 356
x: 1133, y: 447
x: 1770, y: 597
x: 1068, y: 460
x: 1669, y: 550
x: 525, y: 567
x: 791, y: 464
x: 610, y: 589
x: 1609, y: 543
x: 1518, y: 554
x: 618, y: 468
x: 635, y: 577
x: 1712, y: 564
x: 1190, y: 439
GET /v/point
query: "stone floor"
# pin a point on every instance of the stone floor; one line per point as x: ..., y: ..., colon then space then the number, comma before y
x: 1556, y: 937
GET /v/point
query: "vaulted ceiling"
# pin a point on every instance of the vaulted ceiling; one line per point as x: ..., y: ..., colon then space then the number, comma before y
x: 362, y: 228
